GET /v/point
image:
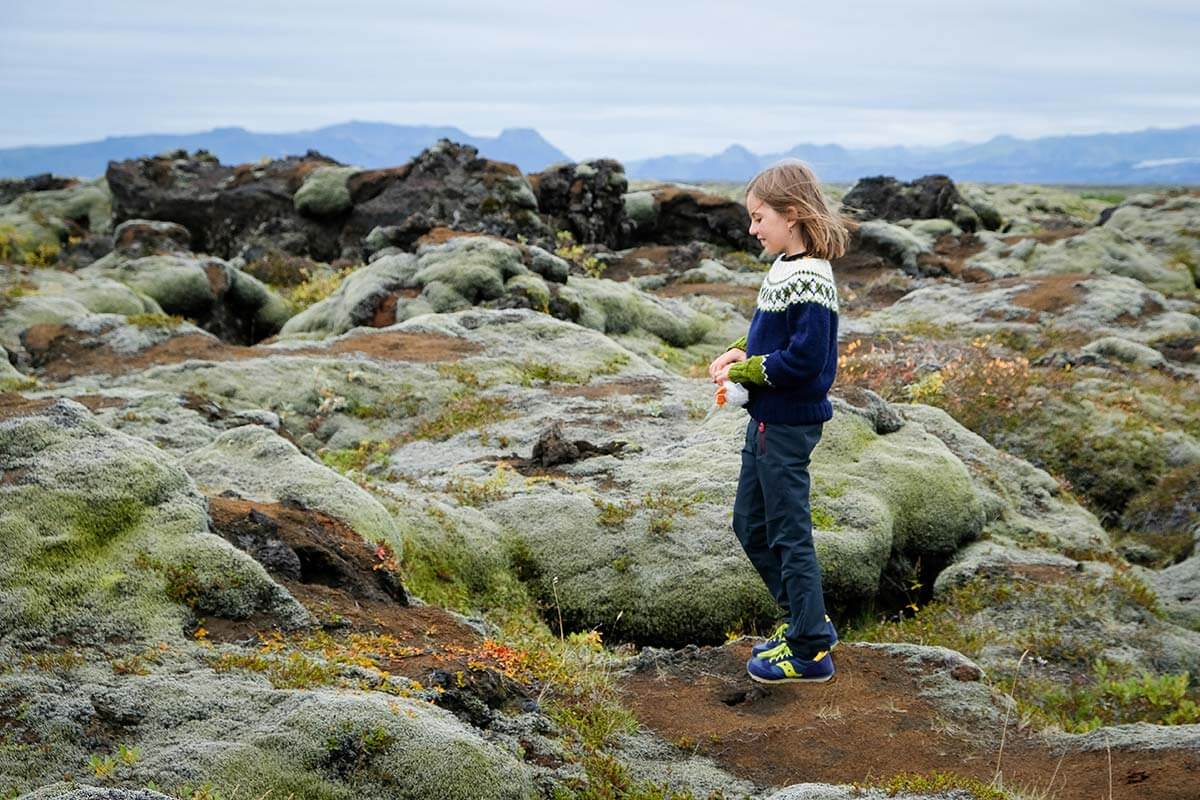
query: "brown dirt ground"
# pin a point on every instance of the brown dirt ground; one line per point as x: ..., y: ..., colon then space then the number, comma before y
x: 653, y: 259
x: 1046, y: 236
x: 951, y: 251
x: 642, y: 387
x: 622, y: 388
x: 869, y: 724
x: 867, y: 283
x: 58, y: 353
x: 1046, y: 292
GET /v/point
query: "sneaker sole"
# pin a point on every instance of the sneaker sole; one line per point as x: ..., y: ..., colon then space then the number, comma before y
x: 824, y: 679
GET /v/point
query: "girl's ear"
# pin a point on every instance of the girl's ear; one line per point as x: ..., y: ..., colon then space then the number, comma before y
x: 792, y: 215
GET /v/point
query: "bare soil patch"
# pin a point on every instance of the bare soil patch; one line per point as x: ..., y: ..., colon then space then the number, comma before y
x: 348, y: 584
x: 869, y: 724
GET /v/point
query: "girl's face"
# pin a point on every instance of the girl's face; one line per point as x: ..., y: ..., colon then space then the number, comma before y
x: 773, y: 229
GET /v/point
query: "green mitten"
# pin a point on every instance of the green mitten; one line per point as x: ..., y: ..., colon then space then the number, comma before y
x: 749, y: 371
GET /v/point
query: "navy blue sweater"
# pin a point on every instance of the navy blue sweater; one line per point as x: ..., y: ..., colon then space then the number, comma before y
x: 795, y: 328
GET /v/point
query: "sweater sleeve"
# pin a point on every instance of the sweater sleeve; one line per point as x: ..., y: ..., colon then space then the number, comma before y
x: 807, y: 350
x: 740, y: 344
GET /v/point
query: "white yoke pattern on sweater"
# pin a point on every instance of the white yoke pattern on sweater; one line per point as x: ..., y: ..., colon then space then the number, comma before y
x: 805, y: 280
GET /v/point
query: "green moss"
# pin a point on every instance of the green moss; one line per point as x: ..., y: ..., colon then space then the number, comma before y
x: 443, y: 567
x: 613, y: 514
x: 1061, y: 636
x: 478, y: 493
x: 1108, y: 197
x: 531, y: 372
x: 17, y: 384
x: 463, y: 411
x: 938, y: 782
x: 155, y: 320
x: 357, y: 458
x: 293, y: 671
x: 665, y: 506
x: 823, y: 519
x: 1102, y: 698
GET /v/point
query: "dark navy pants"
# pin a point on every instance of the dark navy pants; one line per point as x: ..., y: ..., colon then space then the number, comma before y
x: 773, y: 521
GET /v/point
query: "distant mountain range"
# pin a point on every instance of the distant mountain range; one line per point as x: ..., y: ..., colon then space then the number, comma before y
x: 1151, y: 156
x: 365, y: 144
x: 1154, y: 156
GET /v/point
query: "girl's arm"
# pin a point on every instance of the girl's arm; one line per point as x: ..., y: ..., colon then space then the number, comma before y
x: 802, y: 360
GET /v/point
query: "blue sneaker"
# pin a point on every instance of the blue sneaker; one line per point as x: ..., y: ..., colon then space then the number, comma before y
x: 780, y: 666
x: 777, y: 638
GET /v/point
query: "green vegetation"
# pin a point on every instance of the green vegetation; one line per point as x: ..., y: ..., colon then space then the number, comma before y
x: 477, y: 493
x: 94, y: 529
x: 17, y: 248
x: 155, y: 320
x: 533, y: 371
x: 567, y: 249
x: 823, y: 519
x: 1103, y: 438
x: 463, y: 411
x: 281, y: 270
x: 349, y: 751
x: 613, y: 514
x: 1108, y: 197
x: 745, y: 261
x: 315, y: 287
x: 1077, y: 689
x: 357, y: 458
x: 14, y: 291
x: 665, y: 506
x: 1106, y: 699
x: 933, y: 782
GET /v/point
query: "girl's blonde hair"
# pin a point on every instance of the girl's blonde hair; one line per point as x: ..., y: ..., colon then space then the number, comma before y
x: 791, y: 182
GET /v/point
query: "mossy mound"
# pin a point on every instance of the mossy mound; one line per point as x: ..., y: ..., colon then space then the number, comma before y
x: 325, y: 192
x: 189, y: 730
x: 484, y: 272
x: 106, y: 539
x: 233, y: 304
x: 658, y: 562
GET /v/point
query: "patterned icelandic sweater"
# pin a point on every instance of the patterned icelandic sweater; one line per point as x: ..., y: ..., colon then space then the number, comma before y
x: 792, y: 344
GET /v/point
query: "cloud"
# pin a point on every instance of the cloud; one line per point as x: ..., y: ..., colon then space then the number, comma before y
x: 621, y: 78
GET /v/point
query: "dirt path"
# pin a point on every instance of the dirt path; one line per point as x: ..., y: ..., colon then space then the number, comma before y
x: 869, y: 724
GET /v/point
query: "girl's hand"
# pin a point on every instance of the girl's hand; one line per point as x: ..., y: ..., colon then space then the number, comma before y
x: 718, y: 370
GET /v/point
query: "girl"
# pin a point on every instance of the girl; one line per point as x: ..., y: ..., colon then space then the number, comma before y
x: 787, y: 361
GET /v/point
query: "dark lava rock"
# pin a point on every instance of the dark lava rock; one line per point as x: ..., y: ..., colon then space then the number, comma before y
x: 930, y: 197
x: 586, y: 199
x: 680, y: 216
x: 552, y: 448
x: 225, y: 208
x: 12, y: 188
x: 446, y: 185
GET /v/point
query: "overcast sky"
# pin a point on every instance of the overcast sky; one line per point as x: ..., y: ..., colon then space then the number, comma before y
x: 602, y: 78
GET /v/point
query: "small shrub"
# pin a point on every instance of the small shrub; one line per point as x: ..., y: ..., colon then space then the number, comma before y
x: 314, y: 288
x: 577, y: 254
x: 477, y: 493
x: 42, y: 256
x: 1105, y: 699
x: 463, y: 411
x: 613, y: 514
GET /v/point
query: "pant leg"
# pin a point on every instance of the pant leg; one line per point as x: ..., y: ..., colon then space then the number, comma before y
x: 783, y: 473
x: 750, y: 523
